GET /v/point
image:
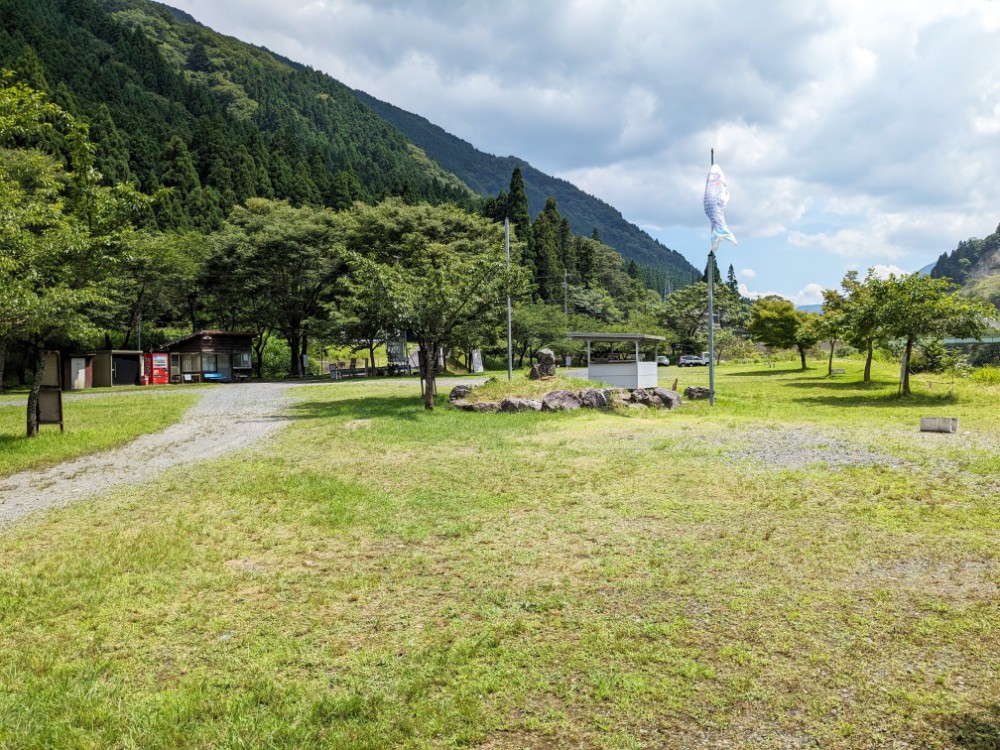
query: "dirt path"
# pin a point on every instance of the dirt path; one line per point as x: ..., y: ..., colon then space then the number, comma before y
x: 224, y: 420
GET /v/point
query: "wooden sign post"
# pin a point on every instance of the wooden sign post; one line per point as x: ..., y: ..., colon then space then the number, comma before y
x: 49, y: 408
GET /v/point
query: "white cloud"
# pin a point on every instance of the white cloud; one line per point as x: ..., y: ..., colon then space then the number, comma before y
x: 884, y: 272
x: 811, y: 294
x: 746, y: 273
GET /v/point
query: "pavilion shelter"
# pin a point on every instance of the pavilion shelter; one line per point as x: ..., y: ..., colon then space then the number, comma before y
x: 620, y: 359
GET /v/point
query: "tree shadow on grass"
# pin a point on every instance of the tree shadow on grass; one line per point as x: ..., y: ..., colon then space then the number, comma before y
x: 770, y: 372
x: 976, y: 731
x: 843, y: 385
x: 890, y: 400
x: 401, y: 408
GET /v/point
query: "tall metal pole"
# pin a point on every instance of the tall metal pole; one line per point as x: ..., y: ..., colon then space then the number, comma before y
x: 510, y: 328
x: 565, y: 291
x: 711, y: 329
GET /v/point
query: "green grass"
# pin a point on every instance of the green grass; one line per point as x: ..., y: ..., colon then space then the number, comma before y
x: 384, y: 577
x: 90, y: 425
x: 497, y: 387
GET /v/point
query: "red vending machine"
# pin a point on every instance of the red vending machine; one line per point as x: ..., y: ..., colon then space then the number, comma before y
x: 157, y: 368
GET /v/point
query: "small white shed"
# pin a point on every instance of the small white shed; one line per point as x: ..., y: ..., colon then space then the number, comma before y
x: 621, y: 362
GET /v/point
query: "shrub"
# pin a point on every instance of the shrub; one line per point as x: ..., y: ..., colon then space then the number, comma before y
x: 988, y: 375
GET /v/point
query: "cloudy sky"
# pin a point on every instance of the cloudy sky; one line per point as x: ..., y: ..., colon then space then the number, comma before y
x: 854, y: 134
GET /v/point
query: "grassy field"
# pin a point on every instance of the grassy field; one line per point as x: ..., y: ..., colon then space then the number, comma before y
x: 797, y: 567
x: 93, y: 422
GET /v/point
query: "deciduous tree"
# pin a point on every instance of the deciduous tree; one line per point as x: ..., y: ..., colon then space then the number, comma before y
x: 439, y: 268
x: 918, y: 306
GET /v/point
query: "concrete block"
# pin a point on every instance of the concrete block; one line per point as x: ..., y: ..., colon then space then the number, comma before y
x: 939, y: 424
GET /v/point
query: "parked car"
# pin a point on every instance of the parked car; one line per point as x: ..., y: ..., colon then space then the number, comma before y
x: 692, y: 360
x: 662, y: 361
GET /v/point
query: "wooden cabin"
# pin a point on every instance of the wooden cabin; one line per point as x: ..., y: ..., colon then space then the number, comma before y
x: 111, y: 367
x: 205, y: 356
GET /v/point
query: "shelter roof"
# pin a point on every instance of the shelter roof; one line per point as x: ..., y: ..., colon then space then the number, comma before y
x: 209, y: 333
x: 641, y: 338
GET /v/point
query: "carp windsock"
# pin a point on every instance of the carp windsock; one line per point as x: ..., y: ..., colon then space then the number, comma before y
x: 716, y: 198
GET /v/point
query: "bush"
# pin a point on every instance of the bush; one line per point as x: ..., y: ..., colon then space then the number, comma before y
x: 988, y: 375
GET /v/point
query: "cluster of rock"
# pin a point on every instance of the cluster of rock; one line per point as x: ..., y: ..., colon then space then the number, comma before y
x: 563, y: 400
x: 545, y: 367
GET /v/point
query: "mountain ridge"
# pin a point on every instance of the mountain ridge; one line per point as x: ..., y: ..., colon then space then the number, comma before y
x: 488, y: 174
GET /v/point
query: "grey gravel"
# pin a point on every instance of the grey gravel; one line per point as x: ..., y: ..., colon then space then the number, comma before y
x: 225, y: 419
x: 797, y: 447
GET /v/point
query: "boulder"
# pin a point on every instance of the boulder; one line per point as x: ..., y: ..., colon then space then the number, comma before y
x: 514, y: 404
x: 561, y: 400
x: 669, y: 399
x: 483, y: 406
x: 546, y: 363
x: 696, y: 392
x: 594, y: 398
x: 458, y: 393
x: 535, y: 373
x: 641, y: 396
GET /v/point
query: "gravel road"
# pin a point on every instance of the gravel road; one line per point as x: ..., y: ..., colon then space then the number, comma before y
x: 224, y: 420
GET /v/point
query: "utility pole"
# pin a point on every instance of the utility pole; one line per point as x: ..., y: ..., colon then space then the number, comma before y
x: 565, y: 291
x: 510, y: 328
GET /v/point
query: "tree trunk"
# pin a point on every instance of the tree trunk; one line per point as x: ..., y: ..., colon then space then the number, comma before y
x: 36, y: 387
x: 829, y: 363
x: 428, y: 372
x: 303, y: 354
x: 802, y: 354
x: 906, y: 367
x: 295, y: 368
x: 258, y: 351
x: 371, y: 354
x: 3, y: 360
x: 868, y: 362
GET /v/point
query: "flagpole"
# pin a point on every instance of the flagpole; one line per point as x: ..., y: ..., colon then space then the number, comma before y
x: 711, y: 328
x: 510, y: 337
x: 711, y: 316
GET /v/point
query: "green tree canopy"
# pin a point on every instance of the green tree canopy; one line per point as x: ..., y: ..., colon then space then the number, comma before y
x: 775, y: 322
x: 918, y: 306
x: 292, y: 252
x: 438, y: 267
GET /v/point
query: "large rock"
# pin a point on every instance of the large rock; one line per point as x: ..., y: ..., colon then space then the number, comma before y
x: 642, y: 396
x: 482, y: 406
x: 535, y: 373
x: 696, y: 392
x: 669, y: 399
x: 561, y: 400
x: 458, y: 393
x: 594, y: 398
x: 514, y: 404
x: 547, y: 363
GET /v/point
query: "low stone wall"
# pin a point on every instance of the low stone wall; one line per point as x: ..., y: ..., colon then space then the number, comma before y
x: 564, y: 400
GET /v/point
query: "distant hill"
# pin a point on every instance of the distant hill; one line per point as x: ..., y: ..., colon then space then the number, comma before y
x: 975, y: 265
x: 488, y: 175
x: 173, y: 104
x: 926, y: 270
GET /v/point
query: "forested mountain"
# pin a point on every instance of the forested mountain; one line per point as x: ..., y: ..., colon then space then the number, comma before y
x: 975, y: 264
x: 173, y: 104
x: 488, y: 175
